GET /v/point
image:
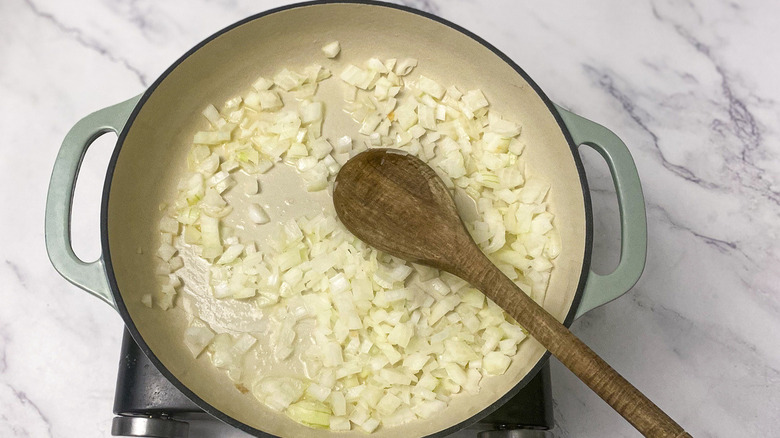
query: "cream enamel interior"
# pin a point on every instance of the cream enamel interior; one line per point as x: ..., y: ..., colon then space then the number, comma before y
x: 154, y: 150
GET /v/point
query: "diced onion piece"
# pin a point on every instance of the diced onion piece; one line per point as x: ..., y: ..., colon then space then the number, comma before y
x: 169, y: 225
x: 340, y: 424
x: 438, y: 286
x: 320, y: 393
x: 339, y: 284
x: 211, y: 138
x: 390, y: 353
x: 495, y: 363
x: 459, y: 351
x: 400, y: 335
x: 510, y: 178
x: 212, y: 246
x: 175, y: 263
x: 406, y: 116
x: 534, y: 191
x: 332, y: 355
x: 401, y: 416
x: 553, y: 247
x: 370, y: 123
x: 370, y: 425
x: 296, y: 151
x: 320, y: 148
x: 243, y: 344
x: 442, y: 307
x: 331, y: 50
x: 388, y: 404
x: 343, y: 145
x: 516, y: 147
x: 358, y: 77
x: 262, y: 84
x: 251, y: 187
x: 212, y: 115
x: 338, y: 403
x: 502, y: 127
x: 376, y: 65
x: 230, y: 254
x: 258, y: 215
x: 508, y: 347
x: 542, y: 223
x: 196, y: 338
x: 405, y: 66
x: 456, y: 373
x: 288, y: 80
x: 316, y: 178
x: 453, y: 165
x: 269, y: 100
x: 166, y: 251
x: 425, y: 273
x: 279, y: 392
x: 431, y: 87
x: 427, y: 408
x: 311, y: 112
x: 474, y: 100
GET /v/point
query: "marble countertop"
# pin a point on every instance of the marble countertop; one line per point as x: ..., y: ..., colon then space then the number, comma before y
x: 690, y: 86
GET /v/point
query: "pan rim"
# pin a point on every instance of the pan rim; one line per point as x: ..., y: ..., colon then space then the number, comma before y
x: 212, y: 410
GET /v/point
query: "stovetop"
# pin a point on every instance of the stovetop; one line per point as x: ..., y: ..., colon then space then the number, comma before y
x: 146, y: 404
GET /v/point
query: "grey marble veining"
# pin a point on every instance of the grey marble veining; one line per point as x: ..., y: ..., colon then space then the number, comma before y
x: 690, y: 86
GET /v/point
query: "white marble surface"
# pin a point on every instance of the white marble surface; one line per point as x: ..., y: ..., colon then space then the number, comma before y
x: 690, y: 86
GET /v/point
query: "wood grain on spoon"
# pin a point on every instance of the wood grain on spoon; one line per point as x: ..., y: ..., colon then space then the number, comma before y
x: 396, y: 203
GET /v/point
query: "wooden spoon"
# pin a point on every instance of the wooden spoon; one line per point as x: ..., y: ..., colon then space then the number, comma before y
x: 396, y: 203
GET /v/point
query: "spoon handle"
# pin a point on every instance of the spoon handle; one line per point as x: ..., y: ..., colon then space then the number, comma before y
x: 628, y: 401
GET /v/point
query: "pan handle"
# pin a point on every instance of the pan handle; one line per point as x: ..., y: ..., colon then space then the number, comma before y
x: 89, y: 276
x: 601, y: 289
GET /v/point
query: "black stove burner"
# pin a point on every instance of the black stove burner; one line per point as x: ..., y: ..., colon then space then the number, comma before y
x: 148, y: 405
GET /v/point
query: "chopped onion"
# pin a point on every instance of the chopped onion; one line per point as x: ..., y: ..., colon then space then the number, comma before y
x: 230, y: 254
x: 166, y: 251
x: 534, y: 191
x: 212, y: 115
x: 211, y: 138
x: 343, y: 145
x: 339, y: 424
x: 338, y: 403
x: 269, y: 100
x: 257, y: 214
x: 358, y: 77
x: 175, y: 263
x: 288, y: 80
x: 431, y: 87
x: 311, y: 112
x: 495, y: 363
x: 405, y: 66
x: 331, y: 50
x: 196, y: 338
x: 320, y: 148
x: 382, y: 342
x: 251, y: 187
x: 474, y: 100
x: 320, y: 393
x: 279, y: 392
x: 502, y: 127
x: 262, y: 84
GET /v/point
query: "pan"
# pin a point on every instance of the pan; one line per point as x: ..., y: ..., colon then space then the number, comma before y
x: 155, y: 132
